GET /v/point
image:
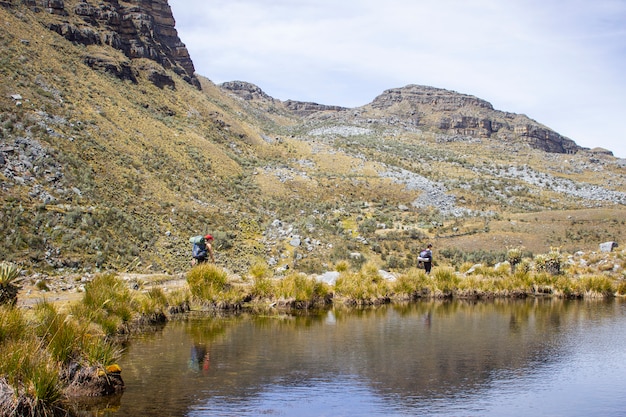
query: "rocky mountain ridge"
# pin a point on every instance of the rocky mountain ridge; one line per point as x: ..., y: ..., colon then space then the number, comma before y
x: 429, y: 108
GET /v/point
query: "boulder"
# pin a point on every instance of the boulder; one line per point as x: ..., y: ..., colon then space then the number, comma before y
x: 607, y: 246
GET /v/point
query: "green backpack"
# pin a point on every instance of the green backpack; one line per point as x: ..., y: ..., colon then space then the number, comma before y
x: 196, y: 239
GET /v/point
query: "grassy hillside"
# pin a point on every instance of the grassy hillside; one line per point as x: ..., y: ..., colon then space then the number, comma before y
x: 103, y: 174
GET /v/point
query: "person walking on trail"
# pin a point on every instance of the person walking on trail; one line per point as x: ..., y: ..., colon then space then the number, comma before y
x: 202, y: 249
x: 426, y: 258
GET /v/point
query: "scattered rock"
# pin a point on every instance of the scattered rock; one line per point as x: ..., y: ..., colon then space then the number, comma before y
x: 608, y: 246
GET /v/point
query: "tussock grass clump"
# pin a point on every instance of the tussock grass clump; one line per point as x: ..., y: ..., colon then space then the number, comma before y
x: 598, y: 286
x: 342, y: 266
x: 263, y: 287
x: 259, y: 270
x: 620, y: 288
x: 366, y: 286
x: 13, y: 325
x: 207, y: 282
x: 68, y: 339
x: 108, y: 302
x: 544, y: 282
x: 445, y: 280
x: 411, y: 284
x: 33, y: 376
x: 28, y: 368
x: 152, y: 304
x: 302, y: 289
x: 60, y: 333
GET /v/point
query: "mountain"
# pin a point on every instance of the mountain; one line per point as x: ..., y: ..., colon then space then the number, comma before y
x: 113, y: 152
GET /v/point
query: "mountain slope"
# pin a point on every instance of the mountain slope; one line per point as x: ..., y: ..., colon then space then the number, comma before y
x: 110, y: 159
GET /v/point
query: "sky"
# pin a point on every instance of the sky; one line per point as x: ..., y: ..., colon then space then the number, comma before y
x: 560, y: 62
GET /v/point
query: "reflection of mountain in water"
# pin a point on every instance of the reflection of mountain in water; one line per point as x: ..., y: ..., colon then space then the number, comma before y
x: 424, y: 350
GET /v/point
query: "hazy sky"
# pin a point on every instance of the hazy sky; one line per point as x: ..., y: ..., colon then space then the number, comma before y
x: 560, y: 62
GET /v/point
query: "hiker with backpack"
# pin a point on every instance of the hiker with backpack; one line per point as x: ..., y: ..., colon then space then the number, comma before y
x: 202, y: 249
x: 426, y: 258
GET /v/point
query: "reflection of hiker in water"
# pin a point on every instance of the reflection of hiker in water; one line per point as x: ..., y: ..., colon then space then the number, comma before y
x: 428, y: 319
x: 199, y: 358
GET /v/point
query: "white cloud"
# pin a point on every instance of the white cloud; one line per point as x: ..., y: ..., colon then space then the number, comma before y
x: 560, y: 62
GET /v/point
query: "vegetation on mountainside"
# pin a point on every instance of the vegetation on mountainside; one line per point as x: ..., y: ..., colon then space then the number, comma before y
x: 100, y: 174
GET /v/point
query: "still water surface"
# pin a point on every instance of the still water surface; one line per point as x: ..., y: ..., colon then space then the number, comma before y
x: 499, y: 358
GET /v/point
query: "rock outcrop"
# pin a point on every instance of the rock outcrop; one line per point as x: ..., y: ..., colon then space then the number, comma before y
x: 246, y: 91
x: 138, y: 28
x: 453, y: 113
x: 303, y: 108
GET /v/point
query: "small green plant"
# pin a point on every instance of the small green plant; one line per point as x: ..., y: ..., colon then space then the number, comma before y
x: 259, y: 270
x: 9, y: 274
x: 342, y: 266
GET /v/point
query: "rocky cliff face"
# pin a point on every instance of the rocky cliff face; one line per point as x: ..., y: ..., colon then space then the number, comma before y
x: 138, y: 28
x: 457, y: 114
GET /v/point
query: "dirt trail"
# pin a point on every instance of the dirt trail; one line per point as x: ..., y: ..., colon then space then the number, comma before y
x: 66, y: 290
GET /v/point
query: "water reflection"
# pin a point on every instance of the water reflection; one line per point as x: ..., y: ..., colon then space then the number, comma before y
x: 445, y: 358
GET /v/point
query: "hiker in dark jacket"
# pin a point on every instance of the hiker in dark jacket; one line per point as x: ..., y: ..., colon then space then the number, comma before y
x: 426, y: 258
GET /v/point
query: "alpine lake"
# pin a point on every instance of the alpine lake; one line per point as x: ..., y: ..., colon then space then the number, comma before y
x: 537, y: 356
